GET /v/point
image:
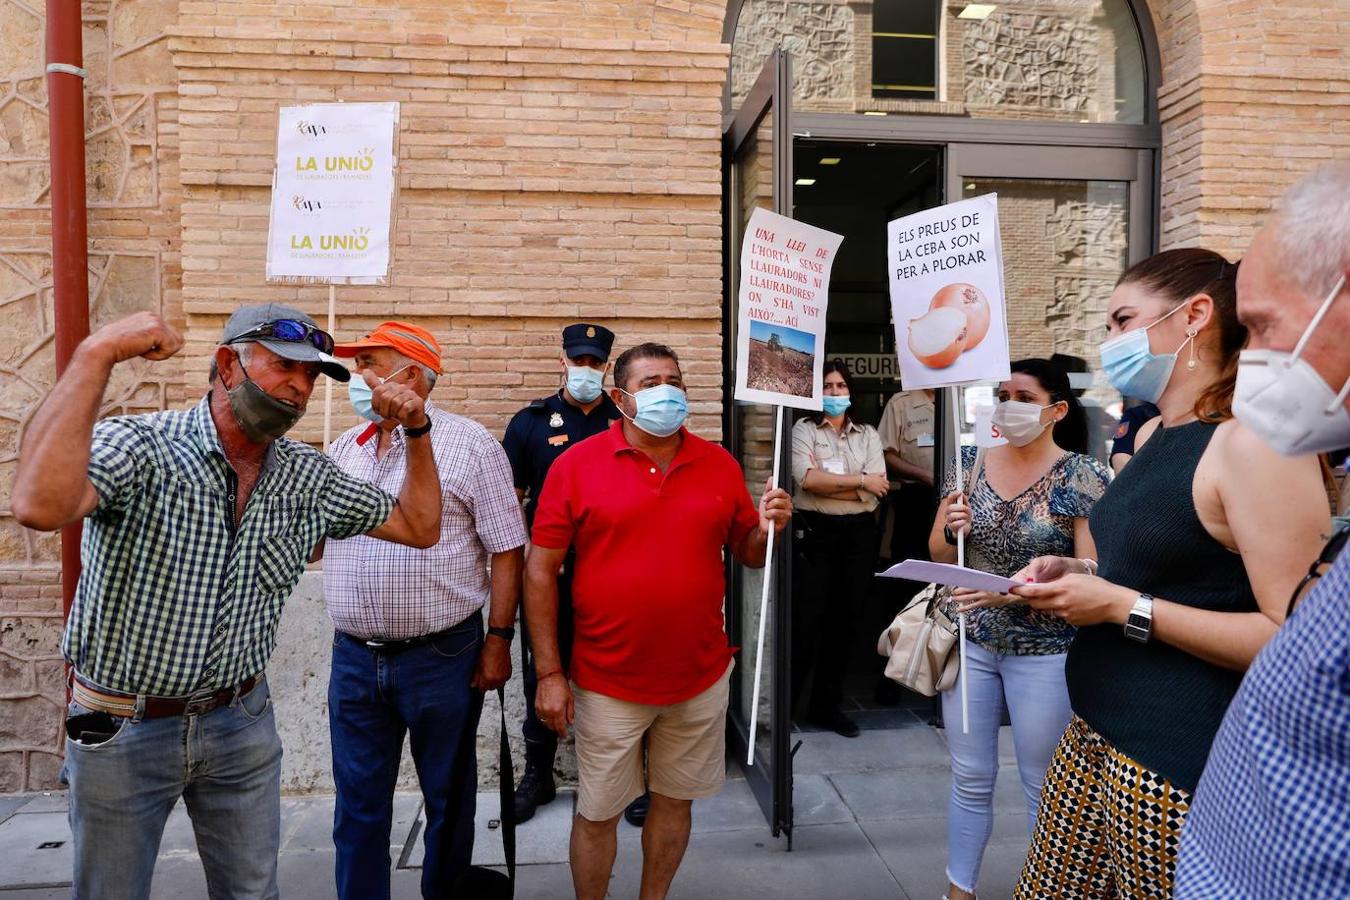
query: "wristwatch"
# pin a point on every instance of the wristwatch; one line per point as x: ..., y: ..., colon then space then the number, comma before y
x: 1139, y: 623
x: 507, y: 633
x: 417, y: 432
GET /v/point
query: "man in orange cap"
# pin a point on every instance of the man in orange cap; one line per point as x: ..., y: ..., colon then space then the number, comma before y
x: 409, y: 653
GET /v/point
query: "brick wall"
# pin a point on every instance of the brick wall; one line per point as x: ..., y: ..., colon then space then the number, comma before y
x: 544, y: 177
x: 1254, y: 95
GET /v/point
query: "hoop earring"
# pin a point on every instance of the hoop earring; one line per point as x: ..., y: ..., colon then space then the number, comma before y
x: 1191, y: 363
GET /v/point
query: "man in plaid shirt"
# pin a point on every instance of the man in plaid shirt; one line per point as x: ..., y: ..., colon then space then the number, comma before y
x: 198, y: 525
x: 409, y: 654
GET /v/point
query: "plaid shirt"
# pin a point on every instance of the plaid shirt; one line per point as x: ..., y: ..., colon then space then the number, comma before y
x: 1271, y: 817
x: 376, y: 589
x: 174, y: 598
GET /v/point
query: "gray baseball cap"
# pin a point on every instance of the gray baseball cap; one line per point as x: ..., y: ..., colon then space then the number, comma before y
x: 247, y: 320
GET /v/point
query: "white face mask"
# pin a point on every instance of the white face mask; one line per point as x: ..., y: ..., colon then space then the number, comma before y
x: 1019, y: 422
x: 1281, y: 397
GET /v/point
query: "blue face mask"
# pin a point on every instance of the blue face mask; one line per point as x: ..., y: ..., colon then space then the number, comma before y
x: 835, y: 406
x: 584, y: 383
x: 661, y: 410
x: 359, y: 393
x: 1134, y: 369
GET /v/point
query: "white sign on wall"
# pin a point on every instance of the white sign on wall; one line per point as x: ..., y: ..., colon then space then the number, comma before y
x: 785, y: 288
x: 946, y: 274
x: 332, y: 193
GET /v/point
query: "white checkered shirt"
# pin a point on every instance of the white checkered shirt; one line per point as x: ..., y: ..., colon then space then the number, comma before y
x: 377, y: 589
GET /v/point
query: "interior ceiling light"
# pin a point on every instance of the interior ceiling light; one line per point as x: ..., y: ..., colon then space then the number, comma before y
x: 829, y: 161
x: 873, y: 112
x: 805, y: 182
x: 977, y: 10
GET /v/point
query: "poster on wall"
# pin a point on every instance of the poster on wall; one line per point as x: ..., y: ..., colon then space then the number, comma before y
x: 785, y: 289
x: 332, y: 193
x: 947, y: 301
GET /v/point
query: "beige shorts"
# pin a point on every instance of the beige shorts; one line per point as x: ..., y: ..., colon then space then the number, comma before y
x: 686, y: 748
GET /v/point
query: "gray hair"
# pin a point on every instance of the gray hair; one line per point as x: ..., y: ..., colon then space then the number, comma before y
x: 1313, y: 229
x: 427, y: 372
x: 243, y: 349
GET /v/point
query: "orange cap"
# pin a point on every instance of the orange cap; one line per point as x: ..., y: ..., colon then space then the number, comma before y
x: 412, y: 341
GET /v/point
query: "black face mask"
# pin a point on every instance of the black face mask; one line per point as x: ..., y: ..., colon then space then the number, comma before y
x: 261, y: 417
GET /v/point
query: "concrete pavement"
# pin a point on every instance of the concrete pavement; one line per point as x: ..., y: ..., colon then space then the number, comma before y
x: 870, y: 817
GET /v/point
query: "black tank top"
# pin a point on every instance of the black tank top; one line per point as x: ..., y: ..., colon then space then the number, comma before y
x: 1154, y: 703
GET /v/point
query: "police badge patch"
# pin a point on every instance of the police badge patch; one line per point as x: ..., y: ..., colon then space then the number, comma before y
x: 555, y: 420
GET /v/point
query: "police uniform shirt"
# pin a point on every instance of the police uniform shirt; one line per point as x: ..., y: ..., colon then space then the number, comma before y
x: 907, y: 427
x: 539, y: 433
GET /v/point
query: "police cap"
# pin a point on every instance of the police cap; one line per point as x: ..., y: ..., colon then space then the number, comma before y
x: 584, y: 339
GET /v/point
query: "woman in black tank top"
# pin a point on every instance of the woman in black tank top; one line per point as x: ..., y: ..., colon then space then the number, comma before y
x: 1200, y: 539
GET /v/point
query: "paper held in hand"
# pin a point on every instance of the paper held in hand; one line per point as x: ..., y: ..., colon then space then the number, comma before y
x: 953, y: 576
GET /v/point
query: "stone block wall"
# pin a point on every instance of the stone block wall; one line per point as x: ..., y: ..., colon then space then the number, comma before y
x: 134, y: 196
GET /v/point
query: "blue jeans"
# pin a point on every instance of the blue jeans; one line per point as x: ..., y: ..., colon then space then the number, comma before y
x: 1038, y: 705
x: 373, y: 700
x: 226, y: 765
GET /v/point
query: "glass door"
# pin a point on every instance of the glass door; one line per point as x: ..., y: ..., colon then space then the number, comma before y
x: 1071, y: 220
x: 757, y: 173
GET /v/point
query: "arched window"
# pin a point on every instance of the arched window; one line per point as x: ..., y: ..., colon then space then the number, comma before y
x: 1044, y: 60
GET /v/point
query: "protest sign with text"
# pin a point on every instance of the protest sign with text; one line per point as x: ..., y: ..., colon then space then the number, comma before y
x: 947, y: 302
x: 785, y: 289
x: 332, y: 193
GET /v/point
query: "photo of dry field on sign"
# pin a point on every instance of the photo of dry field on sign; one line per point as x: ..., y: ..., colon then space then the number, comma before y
x: 782, y: 360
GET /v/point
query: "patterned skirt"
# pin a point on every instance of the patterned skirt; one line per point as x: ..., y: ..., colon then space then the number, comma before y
x: 1107, y: 827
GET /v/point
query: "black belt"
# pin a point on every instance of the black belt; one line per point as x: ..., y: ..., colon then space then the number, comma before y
x: 390, y: 645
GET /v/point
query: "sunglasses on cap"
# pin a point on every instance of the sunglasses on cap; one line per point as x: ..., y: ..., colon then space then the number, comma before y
x: 290, y: 331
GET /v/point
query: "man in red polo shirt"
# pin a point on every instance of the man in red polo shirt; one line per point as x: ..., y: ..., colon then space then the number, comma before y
x: 648, y: 507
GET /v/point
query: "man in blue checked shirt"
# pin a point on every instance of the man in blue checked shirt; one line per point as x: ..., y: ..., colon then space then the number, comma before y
x: 198, y: 525
x: 1271, y: 816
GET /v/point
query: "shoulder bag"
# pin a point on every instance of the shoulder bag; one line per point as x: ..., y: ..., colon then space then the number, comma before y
x: 920, y: 644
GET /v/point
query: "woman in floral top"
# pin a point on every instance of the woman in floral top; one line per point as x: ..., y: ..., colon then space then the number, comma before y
x: 1032, y: 498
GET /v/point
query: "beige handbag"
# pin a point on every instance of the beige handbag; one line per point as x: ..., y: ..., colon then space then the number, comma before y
x: 920, y: 645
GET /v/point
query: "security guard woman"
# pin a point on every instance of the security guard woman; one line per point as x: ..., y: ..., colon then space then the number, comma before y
x: 536, y: 436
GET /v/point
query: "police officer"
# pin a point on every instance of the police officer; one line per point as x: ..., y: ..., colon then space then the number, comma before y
x: 536, y: 436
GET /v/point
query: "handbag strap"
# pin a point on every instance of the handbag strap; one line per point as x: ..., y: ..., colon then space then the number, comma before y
x: 975, y: 471
x: 506, y: 777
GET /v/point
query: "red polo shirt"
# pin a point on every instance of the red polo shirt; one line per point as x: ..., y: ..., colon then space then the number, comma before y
x: 649, y: 578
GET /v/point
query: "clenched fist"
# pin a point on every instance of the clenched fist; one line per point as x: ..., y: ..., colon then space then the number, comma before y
x: 396, y: 401
x: 139, y: 334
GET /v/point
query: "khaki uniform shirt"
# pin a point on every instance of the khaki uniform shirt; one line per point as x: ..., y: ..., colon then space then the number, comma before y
x: 855, y: 450
x: 907, y: 427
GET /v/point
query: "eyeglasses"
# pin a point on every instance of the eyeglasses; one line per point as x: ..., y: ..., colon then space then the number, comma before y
x: 292, y: 332
x: 1315, y: 571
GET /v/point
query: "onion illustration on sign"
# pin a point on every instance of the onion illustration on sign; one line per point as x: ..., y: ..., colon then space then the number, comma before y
x: 956, y: 322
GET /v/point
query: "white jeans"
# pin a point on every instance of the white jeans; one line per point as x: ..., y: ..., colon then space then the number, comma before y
x: 1038, y: 704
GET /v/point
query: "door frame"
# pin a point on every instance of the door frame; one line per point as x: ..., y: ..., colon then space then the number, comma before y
x: 770, y: 779
x: 973, y: 147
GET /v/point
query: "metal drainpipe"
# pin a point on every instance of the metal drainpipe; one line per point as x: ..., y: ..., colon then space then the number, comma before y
x: 70, y: 250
